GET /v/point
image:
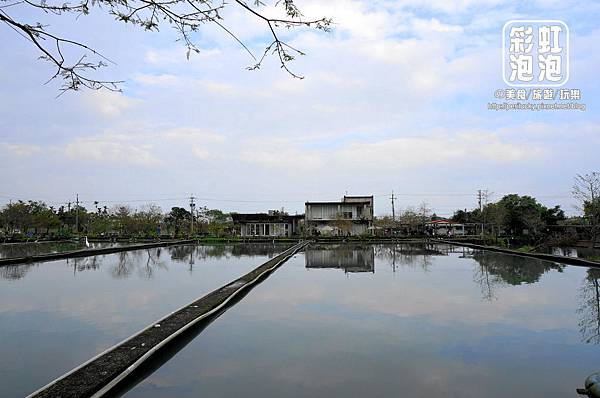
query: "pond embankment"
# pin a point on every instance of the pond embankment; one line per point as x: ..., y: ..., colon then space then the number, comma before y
x: 541, y: 256
x: 89, y: 252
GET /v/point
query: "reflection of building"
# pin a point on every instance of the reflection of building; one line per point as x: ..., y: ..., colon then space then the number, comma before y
x: 353, y: 215
x: 260, y: 224
x: 348, y: 258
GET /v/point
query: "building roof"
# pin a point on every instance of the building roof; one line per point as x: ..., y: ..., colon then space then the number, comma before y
x: 346, y: 200
x: 264, y: 217
x: 338, y: 203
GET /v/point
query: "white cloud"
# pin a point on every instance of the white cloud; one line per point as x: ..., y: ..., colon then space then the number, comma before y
x: 407, y: 153
x: 396, y: 85
x: 110, y: 149
x: 21, y: 149
x: 108, y: 103
x: 144, y: 148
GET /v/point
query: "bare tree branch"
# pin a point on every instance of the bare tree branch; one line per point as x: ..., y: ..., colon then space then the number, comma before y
x: 185, y: 16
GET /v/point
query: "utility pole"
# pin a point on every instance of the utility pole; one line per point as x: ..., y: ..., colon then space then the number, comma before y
x: 393, y: 208
x: 482, y: 196
x: 479, y: 199
x: 77, y: 215
x: 192, y: 207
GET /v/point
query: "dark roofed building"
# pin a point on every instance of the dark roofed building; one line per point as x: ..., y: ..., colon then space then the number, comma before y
x: 275, y: 223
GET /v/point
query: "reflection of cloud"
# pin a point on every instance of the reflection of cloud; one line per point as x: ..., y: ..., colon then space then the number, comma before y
x: 443, y: 292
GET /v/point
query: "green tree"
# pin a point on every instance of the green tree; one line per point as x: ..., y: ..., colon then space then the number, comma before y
x: 522, y: 213
x: 178, y: 219
x: 148, y: 219
x: 124, y: 221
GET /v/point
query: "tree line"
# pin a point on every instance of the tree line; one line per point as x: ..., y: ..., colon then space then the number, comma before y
x: 520, y: 217
x: 29, y: 219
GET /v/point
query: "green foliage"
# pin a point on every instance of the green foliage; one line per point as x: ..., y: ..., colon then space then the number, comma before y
x: 514, y: 215
x: 526, y: 249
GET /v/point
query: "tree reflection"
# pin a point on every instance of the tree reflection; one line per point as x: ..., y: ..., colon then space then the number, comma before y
x: 488, y: 282
x: 514, y: 270
x: 145, y: 262
x: 412, y: 255
x: 202, y: 252
x: 84, y: 263
x: 589, y: 309
x: 14, y: 272
x: 496, y: 270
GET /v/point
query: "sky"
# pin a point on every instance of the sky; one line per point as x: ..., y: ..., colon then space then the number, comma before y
x: 394, y: 99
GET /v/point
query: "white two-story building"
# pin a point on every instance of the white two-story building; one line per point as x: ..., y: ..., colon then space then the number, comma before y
x: 351, y: 216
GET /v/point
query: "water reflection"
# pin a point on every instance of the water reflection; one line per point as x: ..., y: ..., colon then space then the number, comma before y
x: 14, y: 271
x: 55, y: 315
x: 589, y: 309
x: 12, y: 250
x: 412, y: 255
x: 417, y: 328
x: 350, y: 258
x: 145, y: 262
x: 576, y: 252
x: 514, y: 270
x: 142, y: 262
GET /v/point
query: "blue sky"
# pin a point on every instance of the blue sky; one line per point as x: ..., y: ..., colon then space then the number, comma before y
x: 395, y: 98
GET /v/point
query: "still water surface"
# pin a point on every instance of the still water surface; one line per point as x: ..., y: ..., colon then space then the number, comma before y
x: 389, y: 321
x: 56, y: 315
x: 11, y: 250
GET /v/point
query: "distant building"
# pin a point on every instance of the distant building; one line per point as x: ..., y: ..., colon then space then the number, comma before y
x: 445, y: 228
x: 353, y: 215
x: 275, y: 223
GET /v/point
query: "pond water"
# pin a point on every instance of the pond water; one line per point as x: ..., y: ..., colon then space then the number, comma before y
x: 11, y: 250
x: 577, y: 252
x: 387, y: 321
x: 56, y: 315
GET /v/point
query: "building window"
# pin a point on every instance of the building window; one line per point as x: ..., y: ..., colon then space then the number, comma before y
x: 347, y: 215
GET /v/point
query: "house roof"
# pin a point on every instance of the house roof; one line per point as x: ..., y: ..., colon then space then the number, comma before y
x: 365, y: 202
x: 346, y: 200
x: 264, y: 217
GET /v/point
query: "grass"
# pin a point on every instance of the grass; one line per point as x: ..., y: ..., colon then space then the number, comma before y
x: 526, y: 249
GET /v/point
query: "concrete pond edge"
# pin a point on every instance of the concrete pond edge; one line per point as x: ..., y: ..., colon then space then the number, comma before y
x: 540, y: 256
x: 89, y: 252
